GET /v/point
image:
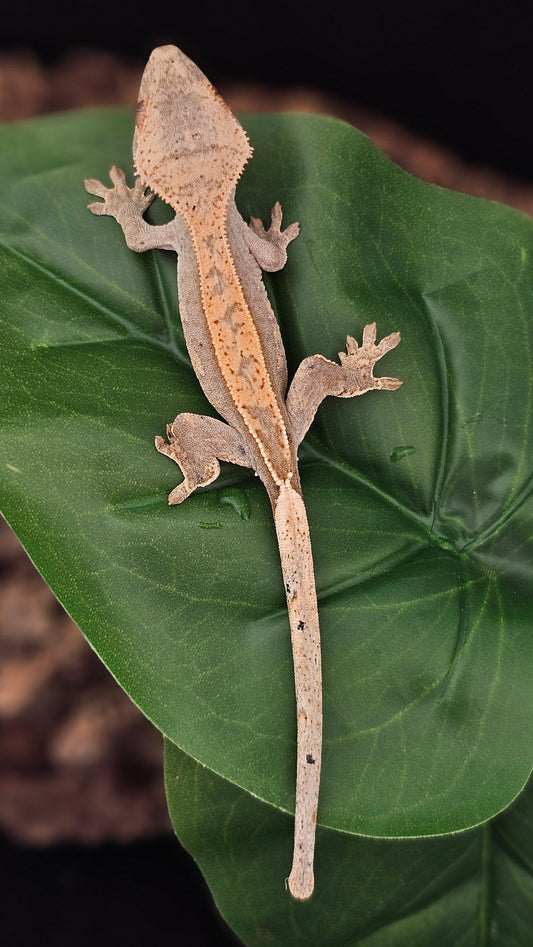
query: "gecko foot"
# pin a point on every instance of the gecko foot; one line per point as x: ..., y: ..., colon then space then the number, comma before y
x: 197, y: 443
x: 269, y: 247
x: 275, y: 234
x: 119, y: 200
x: 360, y: 360
x: 198, y: 471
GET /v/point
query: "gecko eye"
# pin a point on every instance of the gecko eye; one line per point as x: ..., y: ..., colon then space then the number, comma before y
x: 139, y: 113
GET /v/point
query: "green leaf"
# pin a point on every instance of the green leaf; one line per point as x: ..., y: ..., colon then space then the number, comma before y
x: 419, y: 500
x: 455, y: 891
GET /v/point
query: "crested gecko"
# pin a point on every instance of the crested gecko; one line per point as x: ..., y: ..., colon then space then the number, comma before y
x: 190, y: 150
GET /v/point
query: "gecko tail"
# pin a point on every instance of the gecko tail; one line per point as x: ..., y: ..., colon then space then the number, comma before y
x: 298, y: 576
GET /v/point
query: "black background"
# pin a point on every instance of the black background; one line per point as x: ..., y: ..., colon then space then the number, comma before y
x: 461, y: 73
x: 141, y: 895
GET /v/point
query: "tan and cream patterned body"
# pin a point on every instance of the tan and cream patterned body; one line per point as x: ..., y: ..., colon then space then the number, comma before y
x: 240, y: 358
x: 190, y: 150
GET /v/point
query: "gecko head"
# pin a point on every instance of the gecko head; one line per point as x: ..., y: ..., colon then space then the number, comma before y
x: 188, y: 146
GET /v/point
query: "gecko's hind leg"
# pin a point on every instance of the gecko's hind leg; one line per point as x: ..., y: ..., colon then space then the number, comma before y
x: 317, y: 377
x: 197, y: 443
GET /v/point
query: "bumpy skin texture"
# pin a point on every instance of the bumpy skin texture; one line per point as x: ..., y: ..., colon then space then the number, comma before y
x: 190, y: 151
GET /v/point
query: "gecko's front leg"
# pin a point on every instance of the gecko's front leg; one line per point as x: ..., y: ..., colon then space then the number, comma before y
x: 128, y: 206
x: 269, y: 247
x: 317, y: 377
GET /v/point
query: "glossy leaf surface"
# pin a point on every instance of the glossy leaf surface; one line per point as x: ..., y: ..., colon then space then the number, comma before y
x: 455, y: 891
x: 419, y: 500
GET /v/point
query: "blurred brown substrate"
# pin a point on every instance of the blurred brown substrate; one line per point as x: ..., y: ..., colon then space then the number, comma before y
x: 77, y: 759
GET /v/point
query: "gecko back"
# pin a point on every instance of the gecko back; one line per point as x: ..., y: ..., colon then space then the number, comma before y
x: 188, y: 147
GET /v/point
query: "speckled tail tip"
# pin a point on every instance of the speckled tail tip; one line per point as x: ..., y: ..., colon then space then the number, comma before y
x: 301, y: 881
